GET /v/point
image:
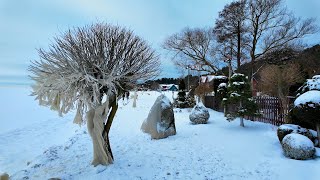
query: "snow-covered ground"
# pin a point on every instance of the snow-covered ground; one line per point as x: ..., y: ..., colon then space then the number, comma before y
x: 36, y: 143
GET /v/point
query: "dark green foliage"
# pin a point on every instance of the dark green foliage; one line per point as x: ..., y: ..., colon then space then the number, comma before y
x: 239, y: 92
x: 222, y: 91
x: 183, y: 100
x: 182, y: 91
x: 306, y: 114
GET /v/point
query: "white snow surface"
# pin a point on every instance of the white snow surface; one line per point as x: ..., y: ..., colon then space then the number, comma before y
x: 298, y: 141
x: 37, y: 143
x: 309, y: 96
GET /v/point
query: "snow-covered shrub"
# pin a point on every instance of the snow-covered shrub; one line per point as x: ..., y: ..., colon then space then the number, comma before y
x: 239, y: 93
x: 297, y: 146
x: 307, y: 109
x: 310, y: 84
x: 199, y: 114
x: 286, y: 129
x: 160, y: 121
x: 221, y: 96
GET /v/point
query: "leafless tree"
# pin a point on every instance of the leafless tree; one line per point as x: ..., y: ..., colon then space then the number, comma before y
x: 230, y: 30
x: 89, y: 69
x: 277, y: 79
x: 272, y: 26
x: 193, y: 48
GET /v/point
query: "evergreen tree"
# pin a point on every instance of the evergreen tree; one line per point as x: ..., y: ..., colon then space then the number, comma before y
x: 239, y: 93
x: 182, y: 91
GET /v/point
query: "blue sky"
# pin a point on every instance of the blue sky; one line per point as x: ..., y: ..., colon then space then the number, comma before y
x: 30, y: 24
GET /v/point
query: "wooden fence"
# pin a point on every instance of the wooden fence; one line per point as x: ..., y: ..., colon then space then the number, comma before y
x: 270, y: 108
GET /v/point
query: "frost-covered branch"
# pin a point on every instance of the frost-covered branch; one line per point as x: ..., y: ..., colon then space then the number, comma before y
x: 84, y: 64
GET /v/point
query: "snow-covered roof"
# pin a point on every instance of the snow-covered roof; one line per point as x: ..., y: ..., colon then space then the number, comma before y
x: 212, y: 77
x: 209, y: 78
x: 168, y: 86
x: 203, y: 79
x: 309, y: 96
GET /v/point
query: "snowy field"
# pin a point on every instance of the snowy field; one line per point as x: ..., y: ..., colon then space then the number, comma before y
x: 35, y: 143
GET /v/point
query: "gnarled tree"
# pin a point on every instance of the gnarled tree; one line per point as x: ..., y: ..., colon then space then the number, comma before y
x: 88, y: 69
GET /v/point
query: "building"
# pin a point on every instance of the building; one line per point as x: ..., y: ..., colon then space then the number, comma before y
x: 169, y: 87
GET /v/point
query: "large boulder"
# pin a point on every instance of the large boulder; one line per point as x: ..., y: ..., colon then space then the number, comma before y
x: 297, y: 146
x: 199, y: 114
x: 286, y: 129
x: 160, y: 121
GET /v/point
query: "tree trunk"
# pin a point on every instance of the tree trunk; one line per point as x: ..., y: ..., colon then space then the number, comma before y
x: 241, y: 117
x: 135, y: 95
x: 99, y: 132
x: 318, y: 133
x: 230, y: 68
x: 239, y: 45
x: 241, y: 121
x: 284, y: 102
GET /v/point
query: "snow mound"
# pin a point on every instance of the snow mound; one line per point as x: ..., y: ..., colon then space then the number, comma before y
x: 297, y: 146
x: 199, y: 114
x: 312, y: 96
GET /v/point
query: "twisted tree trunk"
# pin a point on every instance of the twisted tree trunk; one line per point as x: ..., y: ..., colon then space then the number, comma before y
x: 99, y: 131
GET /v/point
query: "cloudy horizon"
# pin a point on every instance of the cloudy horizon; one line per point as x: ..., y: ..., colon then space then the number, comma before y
x: 31, y: 24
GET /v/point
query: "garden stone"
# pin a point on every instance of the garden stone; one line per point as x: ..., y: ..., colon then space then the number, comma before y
x: 160, y: 121
x: 297, y: 146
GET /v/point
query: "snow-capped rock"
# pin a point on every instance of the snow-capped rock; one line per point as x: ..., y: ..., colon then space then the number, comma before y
x: 286, y: 129
x: 160, y: 121
x: 297, y: 146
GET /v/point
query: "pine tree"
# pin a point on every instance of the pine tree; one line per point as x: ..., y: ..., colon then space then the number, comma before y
x: 239, y: 93
x: 182, y: 91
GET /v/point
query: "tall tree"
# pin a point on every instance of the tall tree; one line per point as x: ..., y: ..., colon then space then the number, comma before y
x: 271, y: 26
x: 230, y: 29
x: 84, y: 65
x: 193, y: 48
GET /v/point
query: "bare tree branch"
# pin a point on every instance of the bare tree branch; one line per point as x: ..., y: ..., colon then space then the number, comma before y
x: 193, y: 47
